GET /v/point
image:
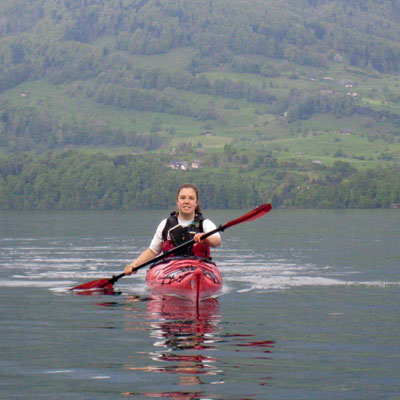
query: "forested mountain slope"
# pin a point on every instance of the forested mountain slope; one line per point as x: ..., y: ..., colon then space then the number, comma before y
x: 284, y: 86
x: 52, y: 34
x: 160, y: 56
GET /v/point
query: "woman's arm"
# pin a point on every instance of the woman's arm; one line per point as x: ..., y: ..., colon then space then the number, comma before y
x: 212, y: 241
x: 147, y: 255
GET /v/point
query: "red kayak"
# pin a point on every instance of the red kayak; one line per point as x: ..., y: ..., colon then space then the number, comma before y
x: 192, y: 278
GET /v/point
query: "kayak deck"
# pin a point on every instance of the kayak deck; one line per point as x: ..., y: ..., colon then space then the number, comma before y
x: 193, y: 278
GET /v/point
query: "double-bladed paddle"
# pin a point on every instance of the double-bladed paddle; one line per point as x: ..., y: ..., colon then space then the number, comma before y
x: 108, y: 283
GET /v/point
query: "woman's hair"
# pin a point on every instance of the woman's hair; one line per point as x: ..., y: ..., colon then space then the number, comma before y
x: 190, y: 186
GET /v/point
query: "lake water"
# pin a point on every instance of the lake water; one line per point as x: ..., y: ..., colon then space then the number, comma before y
x: 310, y: 310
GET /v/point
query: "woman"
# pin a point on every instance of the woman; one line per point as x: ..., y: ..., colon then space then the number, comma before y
x: 181, y: 226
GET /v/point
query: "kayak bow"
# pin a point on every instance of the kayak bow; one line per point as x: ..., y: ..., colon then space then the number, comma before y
x: 189, y: 277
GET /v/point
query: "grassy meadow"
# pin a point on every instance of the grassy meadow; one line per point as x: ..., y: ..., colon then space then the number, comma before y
x: 249, y: 126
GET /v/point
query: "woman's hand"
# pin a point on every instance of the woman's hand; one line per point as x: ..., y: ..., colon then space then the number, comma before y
x: 147, y: 255
x: 213, y: 240
x: 130, y: 269
x: 198, y: 236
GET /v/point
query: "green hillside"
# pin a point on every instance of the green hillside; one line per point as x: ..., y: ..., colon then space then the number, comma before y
x: 307, y: 83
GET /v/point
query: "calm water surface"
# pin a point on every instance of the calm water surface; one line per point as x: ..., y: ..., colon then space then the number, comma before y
x: 310, y: 310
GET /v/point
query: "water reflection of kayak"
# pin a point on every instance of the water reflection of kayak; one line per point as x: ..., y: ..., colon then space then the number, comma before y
x: 180, y: 325
x: 183, y: 325
x: 182, y: 331
x: 192, y: 278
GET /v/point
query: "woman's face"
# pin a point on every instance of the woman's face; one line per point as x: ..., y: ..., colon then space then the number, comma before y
x: 187, y: 202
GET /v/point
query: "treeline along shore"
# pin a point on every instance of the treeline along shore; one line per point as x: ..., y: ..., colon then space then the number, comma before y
x: 73, y: 180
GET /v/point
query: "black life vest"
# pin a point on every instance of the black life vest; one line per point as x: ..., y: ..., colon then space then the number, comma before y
x: 174, y: 235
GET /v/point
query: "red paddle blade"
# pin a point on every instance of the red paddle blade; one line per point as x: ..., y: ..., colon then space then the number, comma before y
x: 97, y: 284
x: 256, y: 213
